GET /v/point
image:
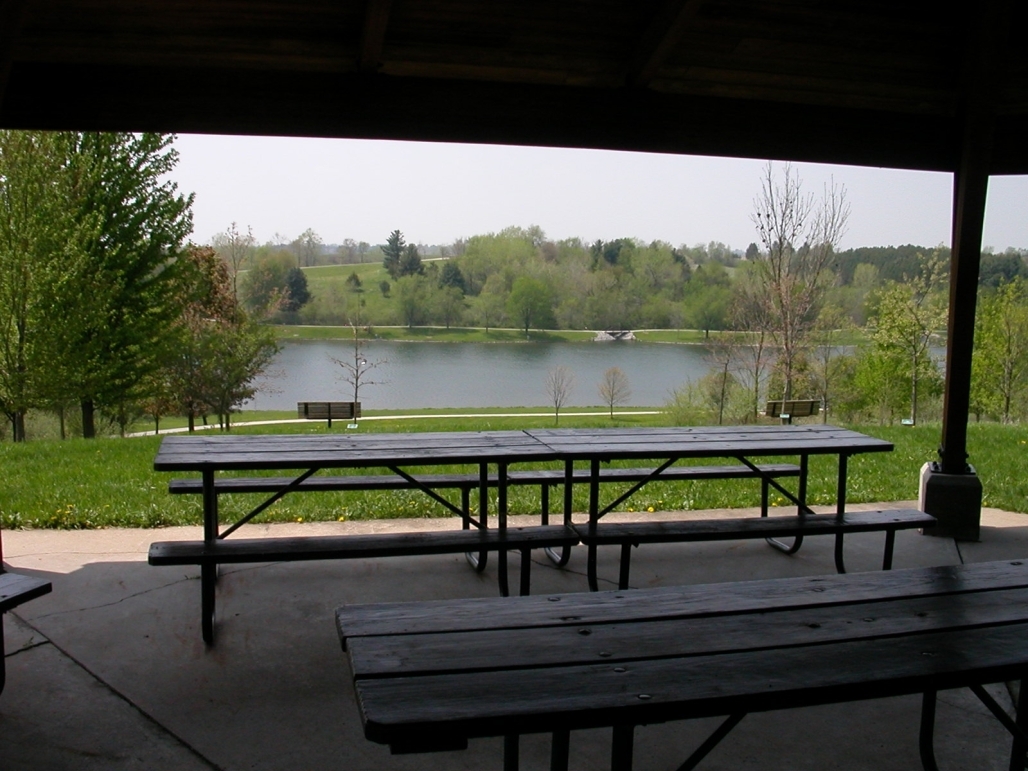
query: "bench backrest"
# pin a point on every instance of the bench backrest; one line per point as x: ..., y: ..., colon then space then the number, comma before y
x: 326, y: 410
x: 797, y: 408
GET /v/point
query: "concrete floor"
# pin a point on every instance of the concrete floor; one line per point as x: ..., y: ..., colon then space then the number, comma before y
x: 109, y: 671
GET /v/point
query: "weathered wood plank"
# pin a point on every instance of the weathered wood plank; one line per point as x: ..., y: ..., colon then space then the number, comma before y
x: 604, y: 533
x: 532, y: 477
x: 16, y: 588
x: 429, y: 708
x: 244, y: 550
x: 625, y: 642
x: 675, y: 601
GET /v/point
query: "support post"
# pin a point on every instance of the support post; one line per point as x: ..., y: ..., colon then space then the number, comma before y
x: 950, y: 490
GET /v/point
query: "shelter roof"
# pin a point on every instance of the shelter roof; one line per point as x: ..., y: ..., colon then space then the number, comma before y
x: 870, y: 82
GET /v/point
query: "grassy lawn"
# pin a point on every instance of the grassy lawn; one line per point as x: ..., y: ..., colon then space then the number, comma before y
x: 110, y: 482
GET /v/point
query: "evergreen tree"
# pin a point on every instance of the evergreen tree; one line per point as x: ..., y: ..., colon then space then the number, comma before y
x: 393, y: 251
x: 297, y: 293
x: 410, y: 262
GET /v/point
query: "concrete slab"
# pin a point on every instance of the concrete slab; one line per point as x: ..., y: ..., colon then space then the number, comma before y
x: 117, y: 646
x: 54, y: 715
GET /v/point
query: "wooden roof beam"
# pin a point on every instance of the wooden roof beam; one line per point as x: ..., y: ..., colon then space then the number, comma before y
x: 659, y: 40
x: 12, y: 14
x: 376, y: 19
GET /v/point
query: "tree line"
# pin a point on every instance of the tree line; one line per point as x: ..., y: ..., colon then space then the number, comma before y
x: 106, y: 312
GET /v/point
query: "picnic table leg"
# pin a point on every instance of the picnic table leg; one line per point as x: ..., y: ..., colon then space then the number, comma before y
x: 510, y: 752
x: 3, y: 656
x: 208, y: 570
x: 797, y: 542
x: 1019, y: 748
x: 621, y: 748
x: 501, y: 516
x: 594, y: 510
x: 478, y: 561
x: 926, y: 742
x: 565, y: 551
x: 559, y: 750
x: 840, y: 511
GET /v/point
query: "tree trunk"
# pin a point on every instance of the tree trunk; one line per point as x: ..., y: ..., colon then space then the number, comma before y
x: 88, y: 419
x: 60, y: 419
x: 191, y: 417
x: 19, y: 426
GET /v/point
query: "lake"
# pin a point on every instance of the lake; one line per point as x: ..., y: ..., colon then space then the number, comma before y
x: 419, y: 375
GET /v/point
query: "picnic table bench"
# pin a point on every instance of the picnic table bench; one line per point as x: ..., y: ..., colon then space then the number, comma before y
x: 15, y: 589
x: 430, y: 676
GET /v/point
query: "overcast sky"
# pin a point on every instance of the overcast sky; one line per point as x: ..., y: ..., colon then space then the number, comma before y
x: 435, y: 193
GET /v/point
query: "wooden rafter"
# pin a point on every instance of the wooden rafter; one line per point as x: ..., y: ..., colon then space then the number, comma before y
x: 376, y: 19
x: 11, y: 16
x: 659, y: 40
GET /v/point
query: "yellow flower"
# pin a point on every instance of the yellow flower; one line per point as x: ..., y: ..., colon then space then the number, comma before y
x: 342, y: 518
x: 299, y: 519
x: 650, y: 508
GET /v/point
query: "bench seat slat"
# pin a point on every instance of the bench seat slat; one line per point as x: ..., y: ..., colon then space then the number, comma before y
x: 426, y: 617
x: 609, y: 533
x: 585, y: 696
x: 528, y: 477
x: 16, y: 588
x: 241, y: 550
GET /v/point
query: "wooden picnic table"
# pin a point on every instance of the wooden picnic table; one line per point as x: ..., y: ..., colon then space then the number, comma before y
x: 309, y: 454
x: 429, y: 676
x: 399, y: 453
x: 741, y: 443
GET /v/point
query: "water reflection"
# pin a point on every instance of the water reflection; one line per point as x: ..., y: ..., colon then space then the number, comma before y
x: 418, y: 375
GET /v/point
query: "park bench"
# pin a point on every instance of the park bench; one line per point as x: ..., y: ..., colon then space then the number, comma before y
x: 15, y: 589
x: 430, y: 676
x: 328, y: 411
x: 792, y: 408
x: 629, y: 534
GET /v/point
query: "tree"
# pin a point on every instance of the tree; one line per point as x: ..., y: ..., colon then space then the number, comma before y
x: 614, y: 389
x: 827, y: 362
x: 393, y: 251
x: 410, y: 262
x: 910, y: 316
x: 530, y: 302
x: 451, y: 276
x: 354, y: 283
x: 798, y: 240
x: 296, y: 292
x: 39, y: 261
x: 356, y: 372
x: 450, y: 305
x: 1000, y: 366
x: 123, y: 308
x: 307, y: 247
x: 559, y: 383
x: 265, y: 285
x: 236, y: 249
x: 412, y: 299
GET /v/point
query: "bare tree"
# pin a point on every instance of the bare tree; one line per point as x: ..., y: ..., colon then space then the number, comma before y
x: 356, y: 372
x: 235, y: 249
x: 559, y: 382
x: 798, y: 238
x: 614, y: 388
x: 750, y: 318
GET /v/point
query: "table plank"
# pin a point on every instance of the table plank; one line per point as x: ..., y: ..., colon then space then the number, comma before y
x: 620, y: 643
x: 410, y: 618
x: 254, y: 452
x: 468, y: 705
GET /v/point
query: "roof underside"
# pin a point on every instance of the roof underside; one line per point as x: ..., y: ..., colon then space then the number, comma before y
x: 870, y: 82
